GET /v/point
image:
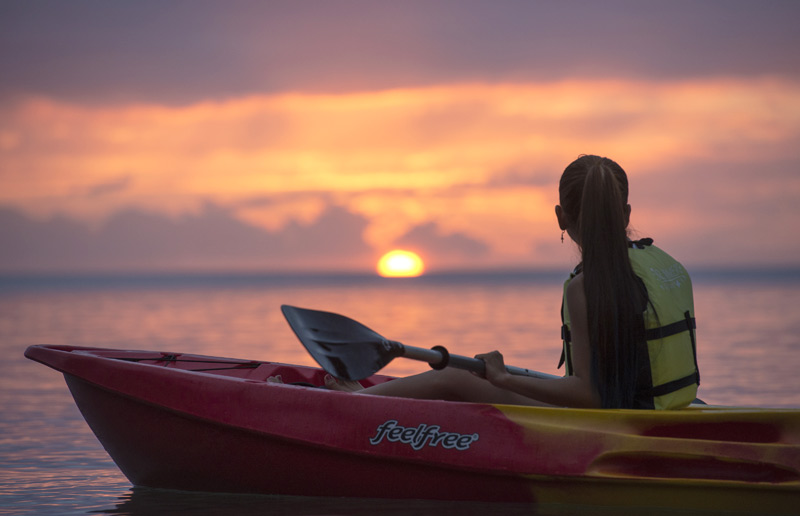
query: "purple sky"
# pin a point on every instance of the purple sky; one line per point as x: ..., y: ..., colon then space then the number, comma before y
x: 185, y: 51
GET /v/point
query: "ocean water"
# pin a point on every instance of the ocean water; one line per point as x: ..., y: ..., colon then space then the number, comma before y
x: 51, y: 463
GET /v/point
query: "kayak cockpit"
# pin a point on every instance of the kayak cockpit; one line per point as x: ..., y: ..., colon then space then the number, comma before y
x: 251, y: 370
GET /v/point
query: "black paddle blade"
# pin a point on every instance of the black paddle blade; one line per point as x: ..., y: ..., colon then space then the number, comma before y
x: 343, y: 347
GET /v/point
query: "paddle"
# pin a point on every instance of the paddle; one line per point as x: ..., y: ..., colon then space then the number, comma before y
x: 349, y: 350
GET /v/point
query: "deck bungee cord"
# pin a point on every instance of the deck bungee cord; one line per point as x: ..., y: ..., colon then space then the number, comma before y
x: 170, y: 358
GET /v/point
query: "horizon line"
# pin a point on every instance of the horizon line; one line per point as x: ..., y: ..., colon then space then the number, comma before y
x: 186, y: 277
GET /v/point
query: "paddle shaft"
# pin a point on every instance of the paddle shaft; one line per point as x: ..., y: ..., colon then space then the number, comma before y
x: 476, y: 365
x: 434, y: 357
x: 349, y: 350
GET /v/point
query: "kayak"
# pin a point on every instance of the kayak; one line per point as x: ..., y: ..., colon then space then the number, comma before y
x: 200, y: 423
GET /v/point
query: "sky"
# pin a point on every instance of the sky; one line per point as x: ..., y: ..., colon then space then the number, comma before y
x: 318, y: 135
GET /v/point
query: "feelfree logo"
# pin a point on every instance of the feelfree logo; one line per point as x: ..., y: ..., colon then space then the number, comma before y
x: 418, y: 437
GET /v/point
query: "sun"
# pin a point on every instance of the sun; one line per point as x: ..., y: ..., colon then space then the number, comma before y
x: 400, y: 264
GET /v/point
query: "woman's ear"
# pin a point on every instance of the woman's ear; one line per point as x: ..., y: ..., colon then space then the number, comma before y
x: 562, y: 222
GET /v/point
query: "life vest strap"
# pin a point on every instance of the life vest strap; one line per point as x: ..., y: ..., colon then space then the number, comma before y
x: 687, y: 324
x: 566, y: 356
x: 662, y: 332
x: 640, y: 244
x: 674, y: 385
x: 690, y: 319
x: 566, y: 337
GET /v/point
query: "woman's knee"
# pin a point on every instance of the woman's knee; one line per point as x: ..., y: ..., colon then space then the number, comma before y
x: 452, y: 384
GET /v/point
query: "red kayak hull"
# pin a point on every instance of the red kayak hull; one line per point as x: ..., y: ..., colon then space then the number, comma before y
x: 200, y: 423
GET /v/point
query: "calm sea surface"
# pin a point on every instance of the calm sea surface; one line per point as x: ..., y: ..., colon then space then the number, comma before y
x: 51, y: 463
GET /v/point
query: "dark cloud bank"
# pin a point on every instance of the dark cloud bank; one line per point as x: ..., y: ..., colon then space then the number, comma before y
x: 182, y: 52
x: 213, y: 240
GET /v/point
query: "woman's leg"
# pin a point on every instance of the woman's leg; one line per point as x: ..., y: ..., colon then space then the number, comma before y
x: 448, y: 384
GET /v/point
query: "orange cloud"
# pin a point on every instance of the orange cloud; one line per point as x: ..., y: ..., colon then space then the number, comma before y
x: 479, y: 159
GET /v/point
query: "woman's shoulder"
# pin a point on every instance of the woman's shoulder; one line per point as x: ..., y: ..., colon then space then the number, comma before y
x: 575, y: 287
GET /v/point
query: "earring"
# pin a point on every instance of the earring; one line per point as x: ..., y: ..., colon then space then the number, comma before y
x: 562, y: 237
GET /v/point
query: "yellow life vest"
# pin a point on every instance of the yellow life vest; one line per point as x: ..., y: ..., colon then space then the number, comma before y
x: 669, y: 378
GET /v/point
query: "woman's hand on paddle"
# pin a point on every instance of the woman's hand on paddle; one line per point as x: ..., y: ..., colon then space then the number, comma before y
x: 496, y: 371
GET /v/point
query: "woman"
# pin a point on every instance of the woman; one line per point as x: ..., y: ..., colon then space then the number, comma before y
x: 627, y: 309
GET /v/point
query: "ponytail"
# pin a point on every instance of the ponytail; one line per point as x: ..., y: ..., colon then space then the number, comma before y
x: 614, y: 295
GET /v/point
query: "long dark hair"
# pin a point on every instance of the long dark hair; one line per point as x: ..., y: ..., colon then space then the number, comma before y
x: 594, y: 197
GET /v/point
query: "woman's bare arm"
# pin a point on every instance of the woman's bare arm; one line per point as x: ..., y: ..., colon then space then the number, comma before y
x: 571, y: 391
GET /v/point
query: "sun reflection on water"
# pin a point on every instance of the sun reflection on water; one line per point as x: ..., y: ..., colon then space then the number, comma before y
x: 52, y: 463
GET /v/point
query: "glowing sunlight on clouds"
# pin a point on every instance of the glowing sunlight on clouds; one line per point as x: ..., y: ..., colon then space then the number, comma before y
x: 477, y: 159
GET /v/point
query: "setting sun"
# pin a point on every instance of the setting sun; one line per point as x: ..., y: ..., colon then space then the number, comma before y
x: 400, y: 264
